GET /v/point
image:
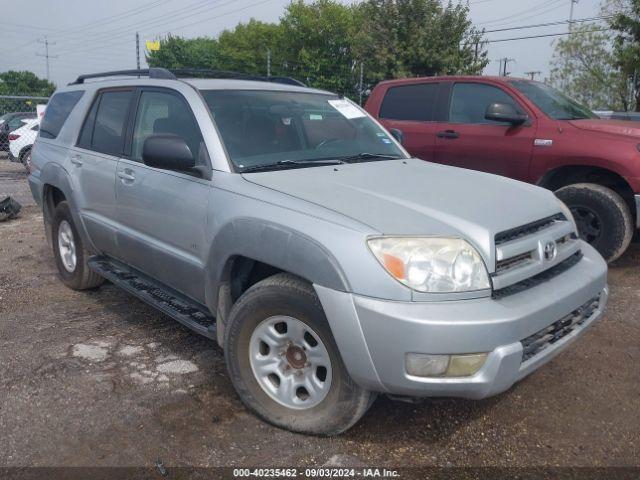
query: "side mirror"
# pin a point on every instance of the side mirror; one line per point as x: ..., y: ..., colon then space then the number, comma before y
x: 398, y: 135
x: 167, y: 151
x: 504, y: 112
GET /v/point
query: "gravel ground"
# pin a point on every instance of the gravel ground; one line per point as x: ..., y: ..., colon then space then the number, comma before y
x: 100, y: 378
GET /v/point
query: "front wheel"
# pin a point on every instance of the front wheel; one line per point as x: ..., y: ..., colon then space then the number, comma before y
x: 602, y: 216
x: 284, y: 363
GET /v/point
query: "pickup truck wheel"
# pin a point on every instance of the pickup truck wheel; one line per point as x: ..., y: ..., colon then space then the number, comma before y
x: 602, y: 216
x: 284, y: 363
x: 70, y: 254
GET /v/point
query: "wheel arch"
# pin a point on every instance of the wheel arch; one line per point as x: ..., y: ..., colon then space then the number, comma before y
x: 248, y: 250
x: 570, y: 174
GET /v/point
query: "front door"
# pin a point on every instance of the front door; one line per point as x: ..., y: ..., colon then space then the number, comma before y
x: 467, y: 139
x: 162, y: 214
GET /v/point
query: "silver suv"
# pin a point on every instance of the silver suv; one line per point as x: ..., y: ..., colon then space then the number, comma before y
x: 286, y: 224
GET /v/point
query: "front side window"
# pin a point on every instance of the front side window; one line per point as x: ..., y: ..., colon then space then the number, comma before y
x: 260, y: 128
x: 469, y: 102
x: 410, y: 102
x: 164, y: 113
x: 553, y: 103
x: 57, y: 111
x: 110, y: 122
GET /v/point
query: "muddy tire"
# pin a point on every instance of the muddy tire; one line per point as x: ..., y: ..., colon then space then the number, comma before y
x: 284, y: 362
x: 69, y: 252
x: 603, y: 217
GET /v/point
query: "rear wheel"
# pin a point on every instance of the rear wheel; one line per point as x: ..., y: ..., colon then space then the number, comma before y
x: 26, y: 160
x: 70, y: 254
x: 284, y: 363
x: 602, y: 216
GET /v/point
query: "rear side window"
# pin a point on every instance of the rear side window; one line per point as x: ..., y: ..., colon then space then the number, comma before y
x: 410, y: 102
x: 57, y: 111
x: 469, y: 102
x: 105, y: 126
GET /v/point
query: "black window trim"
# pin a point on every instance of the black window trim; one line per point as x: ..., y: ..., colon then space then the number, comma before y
x: 447, y: 112
x: 98, y: 98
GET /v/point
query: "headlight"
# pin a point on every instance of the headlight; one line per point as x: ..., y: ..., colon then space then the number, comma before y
x: 432, y: 264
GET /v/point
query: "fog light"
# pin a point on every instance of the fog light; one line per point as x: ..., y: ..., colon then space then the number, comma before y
x: 465, y: 365
x: 425, y: 365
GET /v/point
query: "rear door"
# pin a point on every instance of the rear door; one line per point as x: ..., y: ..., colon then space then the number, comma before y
x: 93, y: 165
x: 162, y: 214
x: 466, y: 139
x: 411, y: 108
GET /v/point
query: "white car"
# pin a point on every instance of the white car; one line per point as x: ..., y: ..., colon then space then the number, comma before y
x: 21, y: 140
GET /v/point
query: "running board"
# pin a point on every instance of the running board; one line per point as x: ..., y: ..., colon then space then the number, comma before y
x: 177, y: 306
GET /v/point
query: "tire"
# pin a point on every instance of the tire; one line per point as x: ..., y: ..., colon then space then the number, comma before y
x: 284, y: 296
x: 75, y: 274
x: 26, y: 160
x: 603, y: 217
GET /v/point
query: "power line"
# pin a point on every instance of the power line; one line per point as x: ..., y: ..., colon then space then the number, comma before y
x: 549, y: 24
x: 546, y: 35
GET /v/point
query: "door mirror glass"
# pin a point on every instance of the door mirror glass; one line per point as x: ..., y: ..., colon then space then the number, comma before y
x: 397, y: 134
x: 168, y: 152
x: 504, y: 112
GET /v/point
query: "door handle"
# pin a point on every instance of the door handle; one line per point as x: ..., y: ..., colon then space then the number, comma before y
x: 448, y: 134
x: 126, y: 177
x: 75, y: 159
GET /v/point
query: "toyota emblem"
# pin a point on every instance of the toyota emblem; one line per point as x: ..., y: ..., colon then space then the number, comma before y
x: 550, y: 251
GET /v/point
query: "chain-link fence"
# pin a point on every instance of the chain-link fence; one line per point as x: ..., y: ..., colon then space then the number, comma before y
x: 18, y: 124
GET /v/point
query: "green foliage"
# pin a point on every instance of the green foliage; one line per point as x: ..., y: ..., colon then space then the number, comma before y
x: 584, y: 66
x: 626, y: 24
x: 324, y: 44
x: 419, y: 38
x: 24, y: 83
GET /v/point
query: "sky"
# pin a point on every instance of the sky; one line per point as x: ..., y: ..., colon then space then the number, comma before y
x: 91, y: 36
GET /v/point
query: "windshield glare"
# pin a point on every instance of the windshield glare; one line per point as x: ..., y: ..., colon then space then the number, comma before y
x: 265, y: 127
x: 553, y: 103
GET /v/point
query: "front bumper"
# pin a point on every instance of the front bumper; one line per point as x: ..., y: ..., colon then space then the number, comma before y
x: 374, y: 335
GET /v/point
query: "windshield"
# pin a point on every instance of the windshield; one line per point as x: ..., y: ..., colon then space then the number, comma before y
x: 553, y: 103
x: 295, y: 129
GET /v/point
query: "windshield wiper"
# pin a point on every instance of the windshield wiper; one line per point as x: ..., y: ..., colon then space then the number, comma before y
x: 364, y: 156
x: 285, y: 164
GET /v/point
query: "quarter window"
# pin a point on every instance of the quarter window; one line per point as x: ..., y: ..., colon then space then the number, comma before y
x: 469, y: 102
x: 164, y: 113
x: 57, y: 111
x: 410, y: 102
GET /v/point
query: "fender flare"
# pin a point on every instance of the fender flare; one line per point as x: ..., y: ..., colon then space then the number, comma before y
x: 273, y: 244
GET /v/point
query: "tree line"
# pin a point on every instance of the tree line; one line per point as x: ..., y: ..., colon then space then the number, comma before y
x: 342, y: 48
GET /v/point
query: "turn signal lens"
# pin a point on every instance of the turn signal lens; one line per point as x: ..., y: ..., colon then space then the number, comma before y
x: 425, y: 365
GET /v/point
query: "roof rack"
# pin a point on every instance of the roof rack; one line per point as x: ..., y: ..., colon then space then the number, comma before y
x: 163, y: 73
x: 206, y: 73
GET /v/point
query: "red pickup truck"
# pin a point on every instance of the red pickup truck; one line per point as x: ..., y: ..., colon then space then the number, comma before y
x: 527, y: 131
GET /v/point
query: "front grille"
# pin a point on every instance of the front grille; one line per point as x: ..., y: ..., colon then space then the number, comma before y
x: 536, y: 343
x: 528, y: 229
x: 524, y: 253
x: 540, y: 278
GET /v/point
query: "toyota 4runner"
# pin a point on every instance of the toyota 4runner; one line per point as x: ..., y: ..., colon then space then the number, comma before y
x: 286, y: 224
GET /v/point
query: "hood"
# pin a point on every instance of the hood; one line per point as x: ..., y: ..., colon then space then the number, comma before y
x: 415, y: 197
x: 614, y: 127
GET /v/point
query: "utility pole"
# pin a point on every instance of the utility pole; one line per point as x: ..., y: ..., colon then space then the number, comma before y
x: 504, y: 62
x: 138, y: 50
x: 46, y: 55
x: 361, y: 80
x: 532, y: 75
x: 573, y: 2
x: 268, y: 62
